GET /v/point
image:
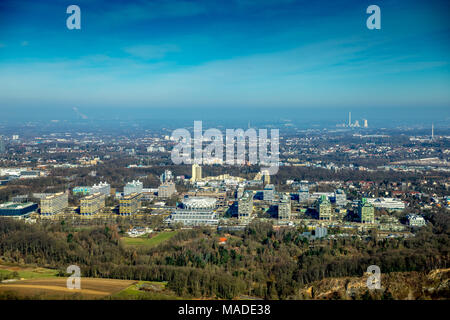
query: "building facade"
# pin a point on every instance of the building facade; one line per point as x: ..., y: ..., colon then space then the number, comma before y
x: 269, y: 192
x: 166, y: 190
x: 55, y: 203
x: 2, y: 146
x: 196, y: 172
x: 366, y: 211
x: 81, y: 190
x: 220, y: 196
x: 284, y: 207
x: 102, y: 187
x: 130, y: 204
x: 340, y: 198
x: 166, y: 176
x: 12, y: 209
x: 196, y: 212
x: 415, y: 220
x: 92, y: 204
x: 324, y: 208
x: 133, y: 187
x: 245, y: 205
x: 391, y: 204
x: 303, y: 193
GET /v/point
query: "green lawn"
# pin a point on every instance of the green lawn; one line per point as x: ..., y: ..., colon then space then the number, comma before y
x: 149, y: 242
x: 37, y: 273
x: 29, y: 272
x: 4, y: 272
x: 155, y: 291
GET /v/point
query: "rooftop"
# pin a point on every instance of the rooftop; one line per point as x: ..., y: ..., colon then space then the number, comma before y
x: 15, y: 205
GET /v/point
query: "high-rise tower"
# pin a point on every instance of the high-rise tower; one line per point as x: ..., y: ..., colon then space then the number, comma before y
x: 196, y: 172
x: 432, y: 131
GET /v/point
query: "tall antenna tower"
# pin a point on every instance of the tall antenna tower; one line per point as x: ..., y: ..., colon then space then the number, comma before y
x: 432, y: 131
x: 349, y: 119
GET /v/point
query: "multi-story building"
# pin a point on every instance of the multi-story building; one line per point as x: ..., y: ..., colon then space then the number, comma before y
x: 324, y: 208
x: 245, y: 205
x: 133, y: 187
x: 54, y: 203
x: 20, y: 198
x: 340, y: 198
x: 315, y: 196
x: 102, y: 187
x: 92, y: 204
x: 13, y: 209
x: 320, y: 232
x: 415, y: 220
x: 166, y: 176
x: 366, y: 211
x: 303, y: 193
x: 265, y: 177
x: 219, y: 195
x: 196, y: 212
x: 196, y: 172
x: 130, y: 204
x: 239, y: 192
x: 269, y: 192
x: 81, y: 190
x: 284, y: 207
x: 166, y: 190
x: 387, y: 203
x: 2, y: 146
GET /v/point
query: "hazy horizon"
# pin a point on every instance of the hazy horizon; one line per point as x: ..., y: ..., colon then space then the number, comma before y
x: 233, y: 116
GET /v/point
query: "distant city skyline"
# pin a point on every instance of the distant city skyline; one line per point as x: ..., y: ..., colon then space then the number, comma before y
x: 223, y: 54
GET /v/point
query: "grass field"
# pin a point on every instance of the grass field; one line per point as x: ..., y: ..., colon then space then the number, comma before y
x: 56, y: 288
x: 149, y: 242
x: 28, y: 272
x: 145, y: 290
x: 36, y: 283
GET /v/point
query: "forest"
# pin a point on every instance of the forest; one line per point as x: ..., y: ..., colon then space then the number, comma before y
x: 258, y: 261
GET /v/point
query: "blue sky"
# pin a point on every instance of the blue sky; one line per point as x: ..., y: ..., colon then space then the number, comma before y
x: 231, y: 53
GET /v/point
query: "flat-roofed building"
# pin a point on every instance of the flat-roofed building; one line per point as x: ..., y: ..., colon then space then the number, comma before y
x: 387, y: 203
x: 2, y: 146
x: 166, y: 190
x: 245, y: 206
x: 220, y: 196
x: 269, y: 192
x: 196, y: 212
x: 13, y: 209
x: 196, y: 172
x: 303, y: 193
x: 340, y: 198
x: 54, y: 203
x: 81, y: 190
x: 284, y: 207
x: 130, y: 204
x: 92, y: 204
x: 324, y: 208
x: 102, y: 187
x: 133, y: 187
x: 320, y: 232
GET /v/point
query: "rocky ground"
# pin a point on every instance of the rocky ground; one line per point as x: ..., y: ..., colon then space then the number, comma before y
x: 396, y: 285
